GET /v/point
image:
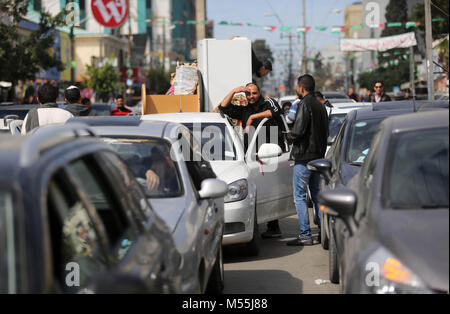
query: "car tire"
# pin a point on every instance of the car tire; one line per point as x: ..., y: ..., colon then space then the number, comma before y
x: 324, y: 241
x: 333, y: 259
x: 252, y: 247
x: 216, y: 279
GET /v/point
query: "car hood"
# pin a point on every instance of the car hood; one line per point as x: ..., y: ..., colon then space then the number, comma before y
x: 420, y: 239
x: 230, y: 170
x: 168, y: 209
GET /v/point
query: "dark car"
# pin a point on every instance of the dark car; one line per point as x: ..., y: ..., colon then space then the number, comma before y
x: 20, y: 111
x: 74, y: 219
x: 343, y: 161
x: 396, y: 211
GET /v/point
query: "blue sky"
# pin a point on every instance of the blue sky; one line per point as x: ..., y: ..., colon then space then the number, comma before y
x: 318, y: 13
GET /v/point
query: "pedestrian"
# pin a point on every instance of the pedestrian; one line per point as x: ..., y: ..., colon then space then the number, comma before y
x: 322, y: 100
x: 257, y: 109
x: 407, y: 95
x: 120, y: 110
x: 260, y: 69
x: 72, y: 96
x: 309, y: 137
x: 30, y: 97
x: 286, y: 108
x: 351, y: 94
x: 379, y: 95
x: 48, y: 111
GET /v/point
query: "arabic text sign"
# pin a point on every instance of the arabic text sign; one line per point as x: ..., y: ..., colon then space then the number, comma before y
x: 379, y: 44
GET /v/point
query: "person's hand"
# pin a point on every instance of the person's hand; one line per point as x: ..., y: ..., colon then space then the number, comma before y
x: 152, y: 180
x: 240, y: 89
x: 248, y: 124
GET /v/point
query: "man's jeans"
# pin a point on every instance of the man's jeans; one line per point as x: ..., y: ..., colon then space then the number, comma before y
x: 302, y: 179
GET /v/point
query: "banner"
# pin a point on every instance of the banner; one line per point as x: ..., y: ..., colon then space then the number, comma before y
x: 379, y: 44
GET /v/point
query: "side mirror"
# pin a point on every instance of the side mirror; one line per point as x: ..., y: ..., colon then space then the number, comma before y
x: 338, y: 202
x: 269, y: 150
x: 322, y: 166
x: 15, y: 127
x: 213, y: 188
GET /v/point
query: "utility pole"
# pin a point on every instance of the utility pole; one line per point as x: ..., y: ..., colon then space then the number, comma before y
x: 72, y: 52
x: 412, y: 75
x: 429, y: 43
x: 291, y: 61
x: 305, y: 57
x: 129, y: 70
x: 164, y: 46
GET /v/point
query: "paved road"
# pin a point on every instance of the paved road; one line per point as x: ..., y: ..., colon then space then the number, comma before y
x: 278, y: 268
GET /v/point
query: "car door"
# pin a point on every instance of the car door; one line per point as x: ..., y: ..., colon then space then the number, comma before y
x: 272, y: 177
x: 130, y: 249
x: 210, y: 221
x: 79, y: 245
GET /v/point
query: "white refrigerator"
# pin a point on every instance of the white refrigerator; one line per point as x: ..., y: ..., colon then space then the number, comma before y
x: 224, y: 65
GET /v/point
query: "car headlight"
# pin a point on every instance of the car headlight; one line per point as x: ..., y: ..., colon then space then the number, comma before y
x: 237, y: 191
x: 385, y: 274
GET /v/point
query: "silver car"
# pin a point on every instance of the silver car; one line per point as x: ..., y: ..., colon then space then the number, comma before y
x: 165, y: 159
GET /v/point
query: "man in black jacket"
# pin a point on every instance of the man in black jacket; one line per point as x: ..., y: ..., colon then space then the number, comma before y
x: 309, y: 137
x: 72, y: 97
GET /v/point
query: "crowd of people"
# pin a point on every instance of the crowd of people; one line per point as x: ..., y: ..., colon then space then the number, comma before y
x: 49, y: 112
x: 307, y: 119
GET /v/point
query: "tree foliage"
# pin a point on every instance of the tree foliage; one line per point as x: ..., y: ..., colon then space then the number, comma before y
x: 22, y: 56
x: 158, y: 81
x: 103, y: 80
x: 391, y: 76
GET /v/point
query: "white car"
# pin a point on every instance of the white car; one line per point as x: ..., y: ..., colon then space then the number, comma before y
x: 259, y: 185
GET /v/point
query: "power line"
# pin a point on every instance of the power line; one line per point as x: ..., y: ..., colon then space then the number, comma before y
x: 445, y: 13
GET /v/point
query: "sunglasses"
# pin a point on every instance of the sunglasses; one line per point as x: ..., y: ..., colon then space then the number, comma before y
x: 378, y: 86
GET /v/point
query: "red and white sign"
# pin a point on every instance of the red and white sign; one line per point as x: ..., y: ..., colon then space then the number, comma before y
x: 110, y: 13
x: 379, y: 44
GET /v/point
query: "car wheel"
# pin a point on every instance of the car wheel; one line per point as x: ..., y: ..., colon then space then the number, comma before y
x: 333, y: 259
x: 216, y: 279
x: 252, y: 248
x: 323, y: 233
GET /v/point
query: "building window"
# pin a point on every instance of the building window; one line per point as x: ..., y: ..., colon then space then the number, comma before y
x: 37, y: 5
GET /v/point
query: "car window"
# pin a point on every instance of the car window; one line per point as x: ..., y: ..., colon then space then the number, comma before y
x: 75, y: 239
x: 133, y: 198
x: 121, y: 233
x: 367, y: 175
x: 360, y: 137
x: 152, y: 165
x: 336, y: 121
x: 7, y: 244
x: 417, y: 170
x: 198, y: 167
x: 216, y: 141
x: 337, y: 145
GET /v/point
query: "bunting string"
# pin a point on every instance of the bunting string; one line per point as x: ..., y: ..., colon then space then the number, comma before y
x: 299, y: 30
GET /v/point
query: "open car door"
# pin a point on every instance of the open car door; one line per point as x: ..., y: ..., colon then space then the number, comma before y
x: 271, y: 171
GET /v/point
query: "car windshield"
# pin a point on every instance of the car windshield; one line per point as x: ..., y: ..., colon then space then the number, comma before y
x: 334, y: 125
x: 215, y: 140
x: 361, y: 134
x: 7, y: 251
x: 417, y: 174
x: 103, y: 110
x: 152, y: 165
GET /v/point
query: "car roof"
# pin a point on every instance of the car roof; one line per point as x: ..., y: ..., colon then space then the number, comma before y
x: 418, y: 121
x: 130, y: 126
x: 186, y: 117
x: 370, y: 113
